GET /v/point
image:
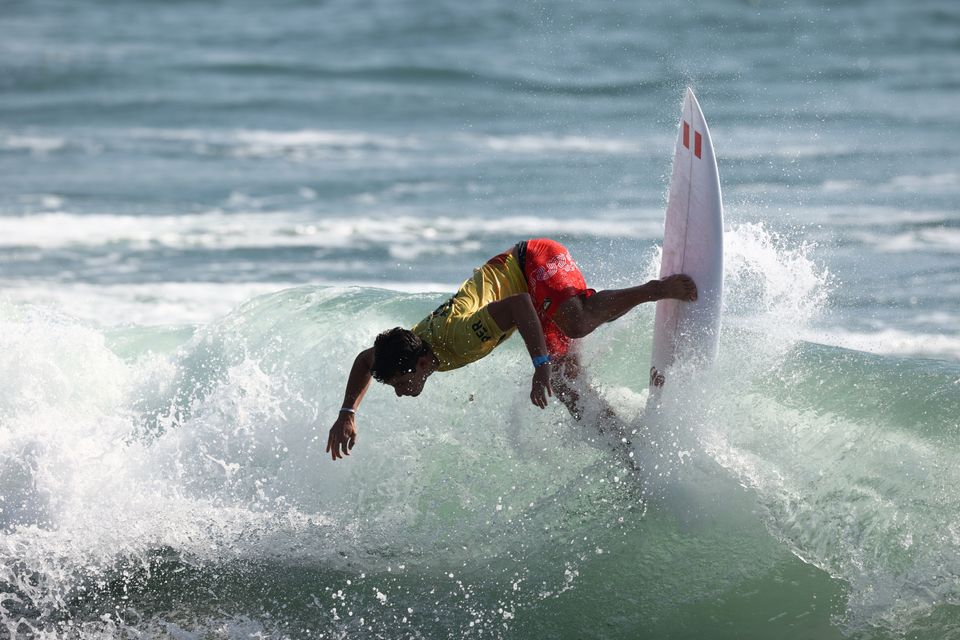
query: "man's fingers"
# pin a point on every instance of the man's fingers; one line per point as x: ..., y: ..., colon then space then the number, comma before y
x: 333, y: 445
x: 539, y: 394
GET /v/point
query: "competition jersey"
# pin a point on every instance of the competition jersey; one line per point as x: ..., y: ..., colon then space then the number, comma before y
x: 461, y: 330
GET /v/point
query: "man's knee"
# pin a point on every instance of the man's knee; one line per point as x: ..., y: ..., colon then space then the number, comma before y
x: 577, y: 329
x: 572, y: 319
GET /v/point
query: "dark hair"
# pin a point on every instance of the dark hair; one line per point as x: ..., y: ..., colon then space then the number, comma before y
x: 395, y: 353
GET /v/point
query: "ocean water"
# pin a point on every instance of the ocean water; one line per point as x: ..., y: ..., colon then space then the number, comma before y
x: 208, y: 208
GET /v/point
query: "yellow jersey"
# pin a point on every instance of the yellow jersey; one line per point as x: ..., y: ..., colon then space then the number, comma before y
x: 461, y: 330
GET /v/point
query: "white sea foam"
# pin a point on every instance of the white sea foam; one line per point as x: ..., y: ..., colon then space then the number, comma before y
x: 35, y: 144
x: 943, y: 239
x: 891, y: 341
x: 869, y: 216
x: 218, y: 230
x: 47, y: 201
x: 929, y: 183
x: 269, y: 141
x: 321, y: 138
x: 554, y: 143
x: 770, y: 284
x: 840, y: 186
x: 278, y: 138
x: 302, y: 144
x: 82, y: 496
x: 836, y: 217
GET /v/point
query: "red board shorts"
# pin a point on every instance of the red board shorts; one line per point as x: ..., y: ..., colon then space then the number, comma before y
x: 552, y: 279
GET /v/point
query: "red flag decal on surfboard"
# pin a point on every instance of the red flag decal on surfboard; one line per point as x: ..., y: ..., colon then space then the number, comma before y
x: 697, y: 139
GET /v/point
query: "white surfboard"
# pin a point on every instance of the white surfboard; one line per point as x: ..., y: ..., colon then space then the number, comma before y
x: 692, y: 244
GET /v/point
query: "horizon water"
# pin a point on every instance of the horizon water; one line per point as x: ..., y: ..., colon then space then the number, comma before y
x: 207, y: 209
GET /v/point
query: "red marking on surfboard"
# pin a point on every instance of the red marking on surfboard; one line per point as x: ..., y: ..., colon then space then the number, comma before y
x: 697, y: 139
x: 686, y: 134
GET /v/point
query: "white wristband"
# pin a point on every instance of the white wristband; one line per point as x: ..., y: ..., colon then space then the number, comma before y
x: 348, y: 410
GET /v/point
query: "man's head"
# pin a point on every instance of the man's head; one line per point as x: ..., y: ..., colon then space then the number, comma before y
x: 402, y: 360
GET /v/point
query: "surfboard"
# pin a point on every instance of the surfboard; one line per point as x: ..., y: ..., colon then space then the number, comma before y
x: 692, y: 244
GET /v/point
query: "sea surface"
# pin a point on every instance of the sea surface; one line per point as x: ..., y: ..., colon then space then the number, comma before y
x: 208, y: 208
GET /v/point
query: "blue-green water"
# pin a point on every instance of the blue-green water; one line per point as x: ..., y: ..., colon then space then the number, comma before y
x: 207, y: 209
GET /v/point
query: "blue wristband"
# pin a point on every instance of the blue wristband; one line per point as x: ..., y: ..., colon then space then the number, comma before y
x: 539, y: 361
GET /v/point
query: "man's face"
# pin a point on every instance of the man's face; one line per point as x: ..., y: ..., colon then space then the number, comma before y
x: 411, y: 384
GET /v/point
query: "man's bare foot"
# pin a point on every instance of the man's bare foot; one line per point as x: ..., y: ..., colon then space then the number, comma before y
x: 679, y: 287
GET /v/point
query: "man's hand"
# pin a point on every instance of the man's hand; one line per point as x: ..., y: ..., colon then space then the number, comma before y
x: 541, y: 387
x: 343, y: 435
x: 679, y: 287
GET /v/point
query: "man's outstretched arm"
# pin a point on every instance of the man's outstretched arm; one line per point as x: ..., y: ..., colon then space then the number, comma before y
x: 343, y: 433
x: 518, y: 311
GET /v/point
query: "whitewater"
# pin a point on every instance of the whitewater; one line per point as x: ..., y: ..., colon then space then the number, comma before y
x: 171, y: 480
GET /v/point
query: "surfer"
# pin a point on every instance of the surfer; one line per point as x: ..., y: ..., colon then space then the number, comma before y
x: 535, y: 288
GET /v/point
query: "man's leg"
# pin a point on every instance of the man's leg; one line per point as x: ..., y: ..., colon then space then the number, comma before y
x: 575, y: 392
x: 566, y: 376
x: 579, y: 316
x: 588, y: 407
